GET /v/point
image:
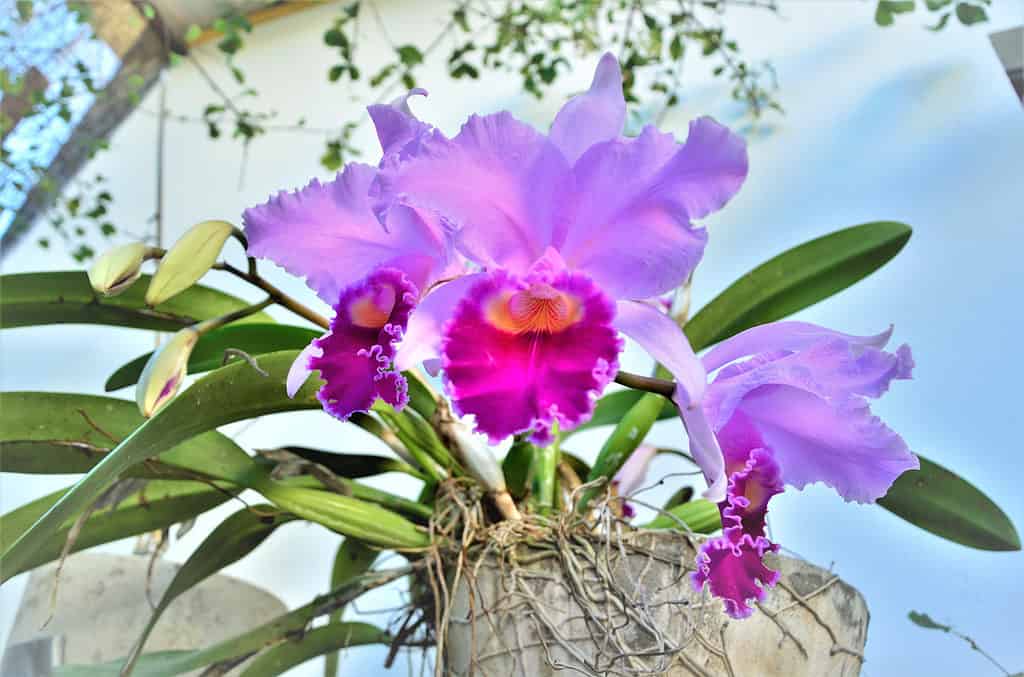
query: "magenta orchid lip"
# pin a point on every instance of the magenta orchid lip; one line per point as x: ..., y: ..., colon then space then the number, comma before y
x: 515, y: 261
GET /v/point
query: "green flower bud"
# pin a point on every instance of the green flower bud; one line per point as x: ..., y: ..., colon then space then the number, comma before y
x: 188, y: 260
x: 118, y: 268
x: 162, y: 376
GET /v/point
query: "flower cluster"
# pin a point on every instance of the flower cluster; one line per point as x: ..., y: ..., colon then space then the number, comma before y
x: 512, y: 261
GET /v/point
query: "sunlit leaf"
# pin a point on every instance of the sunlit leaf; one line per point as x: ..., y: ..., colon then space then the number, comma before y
x: 624, y: 439
x: 233, y: 539
x: 232, y: 393
x: 612, y: 407
x: 170, y: 663
x: 700, y: 516
x: 69, y: 433
x: 796, y: 279
x: 939, y: 501
x: 252, y: 338
x: 329, y: 638
x: 66, y: 297
x: 160, y: 504
x: 354, y: 558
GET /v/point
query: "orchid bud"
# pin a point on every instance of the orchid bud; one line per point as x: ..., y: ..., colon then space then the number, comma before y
x: 189, y: 259
x: 164, y: 372
x: 118, y: 268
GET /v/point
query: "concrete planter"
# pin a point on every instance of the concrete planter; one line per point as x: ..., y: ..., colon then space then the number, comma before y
x: 531, y: 624
x: 101, y: 609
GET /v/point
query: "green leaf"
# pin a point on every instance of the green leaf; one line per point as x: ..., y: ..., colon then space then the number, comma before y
x: 409, y: 55
x: 160, y: 504
x: 948, y: 506
x: 516, y: 467
x: 353, y: 466
x: 229, y: 394
x: 941, y: 23
x: 970, y: 14
x: 25, y: 10
x: 252, y: 338
x: 233, y: 539
x: 796, y: 279
x: 329, y: 638
x: 335, y: 38
x: 348, y: 515
x: 284, y: 627
x: 887, y: 8
x: 354, y: 558
x: 700, y: 516
x: 65, y: 297
x: 925, y: 621
x: 624, y: 440
x: 69, y: 433
x: 612, y: 407
x: 935, y: 5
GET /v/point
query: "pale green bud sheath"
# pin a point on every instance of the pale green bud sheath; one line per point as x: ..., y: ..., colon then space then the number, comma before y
x: 118, y: 268
x: 166, y: 369
x: 164, y: 372
x: 188, y: 260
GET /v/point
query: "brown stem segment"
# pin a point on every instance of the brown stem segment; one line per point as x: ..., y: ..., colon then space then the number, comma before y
x: 277, y: 295
x: 650, y: 384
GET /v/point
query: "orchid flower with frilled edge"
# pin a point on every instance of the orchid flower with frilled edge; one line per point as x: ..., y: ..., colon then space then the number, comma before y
x: 788, y: 406
x: 508, y: 258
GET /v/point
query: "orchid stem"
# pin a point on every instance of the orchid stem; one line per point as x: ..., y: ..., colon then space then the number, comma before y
x: 649, y: 384
x: 218, y: 322
x: 278, y: 296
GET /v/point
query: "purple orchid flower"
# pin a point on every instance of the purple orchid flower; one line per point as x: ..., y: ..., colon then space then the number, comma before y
x: 509, y: 258
x: 788, y: 406
x: 372, y: 272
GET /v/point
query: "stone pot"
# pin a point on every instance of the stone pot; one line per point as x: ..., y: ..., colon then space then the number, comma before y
x: 102, y: 607
x: 518, y: 616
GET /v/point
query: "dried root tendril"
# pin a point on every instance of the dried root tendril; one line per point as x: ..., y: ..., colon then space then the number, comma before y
x: 584, y: 593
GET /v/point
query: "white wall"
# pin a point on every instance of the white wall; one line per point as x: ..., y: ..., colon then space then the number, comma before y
x: 881, y: 124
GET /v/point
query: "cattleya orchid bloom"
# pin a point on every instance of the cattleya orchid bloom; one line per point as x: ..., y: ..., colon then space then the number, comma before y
x: 789, y: 407
x: 508, y: 258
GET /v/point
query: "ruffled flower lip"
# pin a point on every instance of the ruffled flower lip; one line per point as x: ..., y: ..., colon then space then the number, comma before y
x: 356, y: 357
x: 524, y: 353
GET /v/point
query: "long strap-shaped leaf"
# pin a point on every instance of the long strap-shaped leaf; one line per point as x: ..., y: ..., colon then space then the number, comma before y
x: 793, y: 280
x: 232, y: 393
x: 625, y: 438
x: 232, y: 540
x: 354, y: 558
x: 208, y: 354
x: 326, y: 639
x: 69, y: 433
x: 66, y: 297
x: 796, y: 279
x: 939, y: 501
x: 66, y: 433
x: 282, y: 628
x: 160, y: 504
